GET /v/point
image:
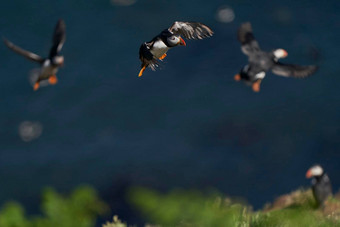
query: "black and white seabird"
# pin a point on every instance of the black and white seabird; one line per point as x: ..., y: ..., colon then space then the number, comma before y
x: 321, y: 185
x: 49, y: 66
x: 260, y: 61
x: 151, y: 52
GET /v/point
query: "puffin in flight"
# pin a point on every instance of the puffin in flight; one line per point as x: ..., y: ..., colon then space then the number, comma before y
x: 321, y: 185
x: 260, y: 61
x: 151, y: 52
x: 49, y: 66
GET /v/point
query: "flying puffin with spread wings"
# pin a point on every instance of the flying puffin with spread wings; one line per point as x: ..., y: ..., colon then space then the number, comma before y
x: 49, y: 66
x: 151, y: 52
x: 260, y: 61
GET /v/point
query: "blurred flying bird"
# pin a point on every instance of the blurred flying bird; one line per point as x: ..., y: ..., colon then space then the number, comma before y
x: 151, y: 52
x: 259, y: 62
x: 49, y: 66
x: 321, y: 185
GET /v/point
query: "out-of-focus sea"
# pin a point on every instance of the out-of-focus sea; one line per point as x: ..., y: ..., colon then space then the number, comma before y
x: 187, y: 125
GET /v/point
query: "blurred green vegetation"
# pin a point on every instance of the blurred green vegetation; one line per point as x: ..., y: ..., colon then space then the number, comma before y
x: 80, y: 209
x: 177, y: 208
x: 188, y: 208
x: 192, y: 208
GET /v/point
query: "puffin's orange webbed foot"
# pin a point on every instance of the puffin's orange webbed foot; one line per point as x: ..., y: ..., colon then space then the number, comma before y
x: 237, y: 77
x: 141, y: 71
x: 162, y: 57
x: 256, y: 86
x: 53, y: 79
x: 36, y: 86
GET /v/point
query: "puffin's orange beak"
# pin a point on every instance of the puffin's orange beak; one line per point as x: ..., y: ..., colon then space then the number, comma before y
x: 285, y: 53
x: 182, y: 42
x: 309, y: 174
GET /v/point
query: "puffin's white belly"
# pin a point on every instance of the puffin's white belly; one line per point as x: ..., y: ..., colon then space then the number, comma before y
x: 260, y: 75
x: 158, y: 49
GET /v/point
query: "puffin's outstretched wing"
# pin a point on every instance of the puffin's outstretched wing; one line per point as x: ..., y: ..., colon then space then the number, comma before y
x: 298, y: 71
x: 191, y: 30
x: 31, y: 56
x: 59, y: 38
x: 247, y: 39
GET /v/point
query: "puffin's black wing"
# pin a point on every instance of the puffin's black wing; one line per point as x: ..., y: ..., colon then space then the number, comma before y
x: 31, y: 56
x: 297, y: 71
x: 247, y: 39
x: 147, y: 57
x: 191, y: 30
x: 59, y: 37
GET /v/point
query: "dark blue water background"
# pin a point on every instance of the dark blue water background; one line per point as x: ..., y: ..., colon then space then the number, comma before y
x: 188, y: 125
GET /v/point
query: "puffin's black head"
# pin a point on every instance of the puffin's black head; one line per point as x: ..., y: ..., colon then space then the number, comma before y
x: 172, y: 40
x: 57, y: 60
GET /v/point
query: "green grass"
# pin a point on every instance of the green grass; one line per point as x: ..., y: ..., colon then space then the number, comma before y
x: 176, y: 208
x: 80, y: 209
x: 192, y: 208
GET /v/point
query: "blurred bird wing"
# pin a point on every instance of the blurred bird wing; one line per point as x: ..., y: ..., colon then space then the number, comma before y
x: 25, y: 53
x: 297, y: 71
x: 59, y: 38
x: 191, y: 30
x: 248, y: 43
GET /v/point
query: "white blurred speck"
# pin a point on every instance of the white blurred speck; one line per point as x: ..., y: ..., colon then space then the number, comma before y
x: 225, y: 14
x: 29, y: 130
x: 123, y: 2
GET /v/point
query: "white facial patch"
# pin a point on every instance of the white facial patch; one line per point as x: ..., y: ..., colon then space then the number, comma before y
x: 316, y: 170
x: 159, y: 48
x: 260, y: 75
x: 58, y: 60
x: 280, y: 53
x: 173, y: 40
